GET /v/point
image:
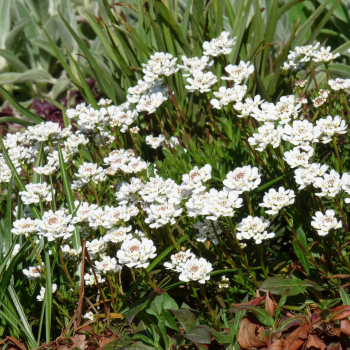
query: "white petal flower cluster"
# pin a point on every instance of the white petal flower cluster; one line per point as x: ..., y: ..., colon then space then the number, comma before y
x: 162, y: 214
x: 88, y: 172
x: 238, y: 73
x: 41, y: 296
x: 329, y: 127
x: 267, y: 135
x: 228, y: 95
x: 46, y: 131
x: 276, y: 200
x: 193, y: 181
x: 329, y: 184
x: 339, y: 84
x: 221, y: 45
x: 305, y: 54
x: 301, y: 133
x: 206, y: 231
x: 201, y: 81
x: 299, y: 156
x: 323, y: 223
x: 196, y: 270
x: 25, y: 226
x: 5, y: 172
x: 179, y: 261
x: 195, y: 64
x: 70, y: 253
x: 242, y: 179
x: 117, y: 234
x: 307, y: 176
x: 345, y: 184
x: 35, y: 193
x: 90, y: 280
x: 155, y: 142
x: 55, y: 225
x: 255, y: 228
x: 249, y: 106
x: 74, y: 141
x: 34, y: 273
x: 150, y: 103
x: 136, y: 253
x: 89, y: 316
x: 108, y: 266
x: 160, y: 64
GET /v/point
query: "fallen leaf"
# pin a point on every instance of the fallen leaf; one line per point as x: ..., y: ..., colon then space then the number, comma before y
x: 297, y: 338
x: 340, y: 313
x: 247, y: 336
x: 316, y: 342
x: 80, y: 341
x: 345, y: 326
x: 277, y: 345
x: 270, y: 304
x: 334, y: 346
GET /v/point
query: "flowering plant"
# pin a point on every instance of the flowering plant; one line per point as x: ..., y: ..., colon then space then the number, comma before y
x: 188, y: 184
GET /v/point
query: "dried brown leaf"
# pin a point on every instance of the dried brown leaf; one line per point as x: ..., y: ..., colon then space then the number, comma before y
x: 297, y: 338
x: 316, y: 342
x: 270, y: 304
x: 277, y: 345
x: 247, y: 336
x: 340, y: 313
x: 345, y: 326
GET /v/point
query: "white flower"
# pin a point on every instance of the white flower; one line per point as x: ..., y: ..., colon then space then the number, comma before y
x: 5, y: 172
x: 84, y: 212
x: 195, y: 64
x: 329, y: 184
x: 318, y: 101
x: 228, y: 95
x: 108, y: 266
x: 89, y: 316
x: 55, y: 224
x: 329, y: 127
x: 74, y: 141
x: 135, y: 253
x: 277, y: 200
x: 206, y: 231
x: 299, y: 156
x: 91, y: 172
x: 301, y: 55
x: 34, y: 273
x: 162, y: 214
x: 179, y: 261
x: 254, y: 228
x: 16, y: 249
x: 44, y: 131
x: 154, y: 141
x: 41, y: 296
x: 339, y: 84
x: 117, y: 234
x: 90, y: 279
x: 325, y: 222
x: 134, y: 130
x: 201, y: 81
x: 160, y: 64
x: 224, y: 283
x: 324, y: 55
x: 104, y: 102
x: 96, y: 247
x: 221, y: 45
x: 25, y: 226
x: 238, y: 73
x: 36, y: 192
x: 196, y: 270
x: 249, y: 106
x: 267, y: 134
x: 70, y: 253
x: 242, y: 179
x: 150, y: 103
x: 306, y: 176
x: 194, y: 180
x: 345, y: 184
x: 300, y: 83
x: 301, y: 133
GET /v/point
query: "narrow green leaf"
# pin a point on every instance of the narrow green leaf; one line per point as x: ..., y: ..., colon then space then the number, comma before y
x: 35, y: 119
x: 299, y: 252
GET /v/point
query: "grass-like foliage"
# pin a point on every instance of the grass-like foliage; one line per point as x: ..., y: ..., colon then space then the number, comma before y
x: 198, y: 197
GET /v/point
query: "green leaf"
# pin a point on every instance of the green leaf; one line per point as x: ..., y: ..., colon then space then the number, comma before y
x: 278, y: 286
x: 299, y: 252
x: 186, y: 318
x: 15, y: 62
x: 35, y: 119
x: 219, y: 337
x: 29, y: 76
x: 261, y: 314
x: 69, y: 197
x: 12, y: 36
x: 199, y: 335
x: 344, y: 296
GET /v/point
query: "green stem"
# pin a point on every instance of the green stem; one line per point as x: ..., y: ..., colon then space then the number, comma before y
x: 207, y: 304
x: 249, y: 203
x: 37, y: 254
x: 337, y: 152
x: 258, y: 249
x: 314, y: 76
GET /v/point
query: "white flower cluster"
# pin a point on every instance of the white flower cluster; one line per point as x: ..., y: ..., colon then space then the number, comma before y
x: 304, y: 54
x: 221, y: 45
x: 276, y: 200
x: 41, y: 296
x: 190, y: 267
x: 37, y: 192
x: 255, y: 228
x: 323, y: 223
